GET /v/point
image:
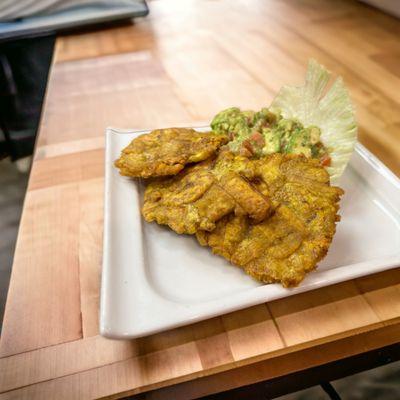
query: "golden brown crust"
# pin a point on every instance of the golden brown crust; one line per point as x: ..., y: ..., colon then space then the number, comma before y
x: 166, y: 151
x: 284, y: 247
x: 202, y: 194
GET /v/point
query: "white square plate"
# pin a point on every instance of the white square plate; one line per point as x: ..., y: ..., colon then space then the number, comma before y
x: 154, y: 279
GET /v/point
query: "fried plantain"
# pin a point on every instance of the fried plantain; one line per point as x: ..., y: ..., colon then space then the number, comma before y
x: 284, y: 247
x: 204, y: 193
x: 166, y: 151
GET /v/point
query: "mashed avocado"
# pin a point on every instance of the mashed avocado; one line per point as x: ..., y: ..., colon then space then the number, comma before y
x: 264, y: 132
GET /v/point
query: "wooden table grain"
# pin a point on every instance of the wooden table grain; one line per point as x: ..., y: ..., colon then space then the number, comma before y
x: 179, y: 66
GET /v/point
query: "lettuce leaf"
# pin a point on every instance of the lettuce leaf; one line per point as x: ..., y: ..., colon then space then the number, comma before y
x: 331, y: 110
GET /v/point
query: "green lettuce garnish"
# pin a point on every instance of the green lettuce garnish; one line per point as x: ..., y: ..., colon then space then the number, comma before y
x: 330, y: 110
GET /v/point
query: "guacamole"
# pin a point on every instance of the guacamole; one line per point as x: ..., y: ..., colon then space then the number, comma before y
x: 264, y: 132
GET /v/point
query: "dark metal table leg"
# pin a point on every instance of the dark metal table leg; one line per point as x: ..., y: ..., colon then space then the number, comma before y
x: 330, y: 391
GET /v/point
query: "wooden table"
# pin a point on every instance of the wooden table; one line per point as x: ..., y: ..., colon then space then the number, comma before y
x: 181, y: 65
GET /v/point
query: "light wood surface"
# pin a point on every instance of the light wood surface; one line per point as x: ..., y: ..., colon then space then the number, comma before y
x: 179, y: 66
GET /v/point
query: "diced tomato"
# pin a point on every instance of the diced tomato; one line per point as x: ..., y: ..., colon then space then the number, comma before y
x: 244, y: 152
x: 247, y: 148
x: 258, y: 138
x: 325, y: 160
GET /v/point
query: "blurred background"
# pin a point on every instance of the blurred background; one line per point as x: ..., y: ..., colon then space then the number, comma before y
x: 27, y: 36
x: 357, y: 39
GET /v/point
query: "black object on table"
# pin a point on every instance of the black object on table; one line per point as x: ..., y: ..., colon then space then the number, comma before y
x: 57, y: 17
x: 24, y: 67
x: 26, y: 49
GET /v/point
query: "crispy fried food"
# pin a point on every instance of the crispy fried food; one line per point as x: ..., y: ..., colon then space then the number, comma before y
x: 167, y: 151
x: 284, y: 247
x: 202, y: 194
